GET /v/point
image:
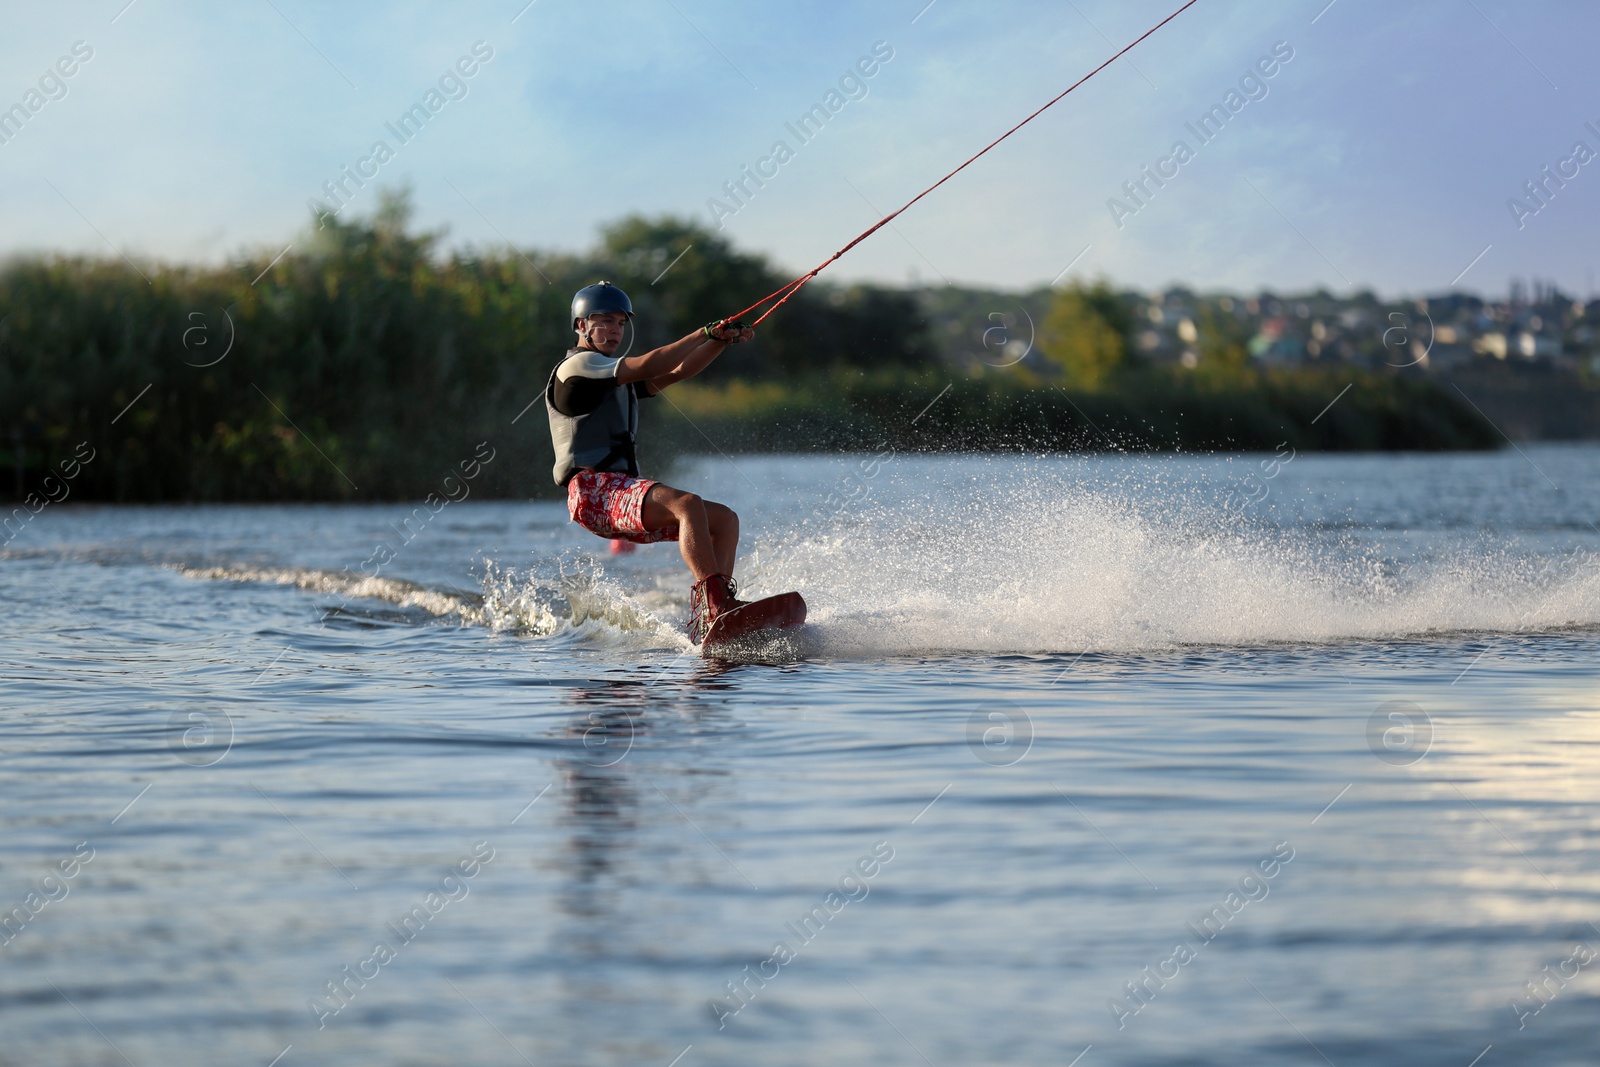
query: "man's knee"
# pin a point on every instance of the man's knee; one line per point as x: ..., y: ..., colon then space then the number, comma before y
x: 678, y: 501
x: 722, y: 515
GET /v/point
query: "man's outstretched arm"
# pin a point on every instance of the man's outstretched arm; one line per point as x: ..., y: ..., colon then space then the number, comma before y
x: 683, y: 358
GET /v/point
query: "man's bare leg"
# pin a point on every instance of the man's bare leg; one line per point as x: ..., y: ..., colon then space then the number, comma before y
x: 724, y: 526
x: 708, y: 533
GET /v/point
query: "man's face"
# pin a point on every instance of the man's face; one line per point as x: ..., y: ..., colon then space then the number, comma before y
x: 605, y: 330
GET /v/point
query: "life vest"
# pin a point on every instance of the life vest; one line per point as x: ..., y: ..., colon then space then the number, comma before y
x: 602, y: 440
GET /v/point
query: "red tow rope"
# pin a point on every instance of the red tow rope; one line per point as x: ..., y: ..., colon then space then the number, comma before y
x: 786, y: 291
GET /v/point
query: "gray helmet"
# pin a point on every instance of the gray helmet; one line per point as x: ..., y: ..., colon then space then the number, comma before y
x: 601, y: 296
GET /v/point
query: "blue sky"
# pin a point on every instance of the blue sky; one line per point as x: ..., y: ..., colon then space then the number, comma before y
x: 1382, y: 155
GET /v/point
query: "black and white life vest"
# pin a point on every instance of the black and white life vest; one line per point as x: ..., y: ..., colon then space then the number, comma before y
x: 601, y: 439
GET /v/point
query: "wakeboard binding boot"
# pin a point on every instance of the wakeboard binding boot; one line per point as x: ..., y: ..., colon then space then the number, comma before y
x: 709, y: 598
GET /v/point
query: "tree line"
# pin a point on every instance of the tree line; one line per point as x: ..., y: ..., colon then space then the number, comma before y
x: 369, y: 360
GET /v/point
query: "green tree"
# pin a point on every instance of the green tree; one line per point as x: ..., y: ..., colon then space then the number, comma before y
x: 680, y: 275
x: 681, y: 272
x: 1086, y: 334
x: 1222, y: 341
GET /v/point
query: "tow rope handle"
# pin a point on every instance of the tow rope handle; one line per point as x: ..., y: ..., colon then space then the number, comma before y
x: 783, y: 293
x: 719, y: 325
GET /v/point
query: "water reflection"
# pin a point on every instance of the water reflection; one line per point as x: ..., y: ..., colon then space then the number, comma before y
x: 600, y: 800
x: 600, y: 784
x: 629, y: 739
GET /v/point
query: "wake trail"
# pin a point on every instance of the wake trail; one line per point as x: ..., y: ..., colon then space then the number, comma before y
x: 577, y: 597
x: 1044, y: 571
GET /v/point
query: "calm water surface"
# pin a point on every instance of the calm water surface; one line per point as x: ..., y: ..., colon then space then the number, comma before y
x: 1102, y: 761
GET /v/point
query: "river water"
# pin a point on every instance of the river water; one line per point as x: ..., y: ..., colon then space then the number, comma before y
x: 1107, y: 760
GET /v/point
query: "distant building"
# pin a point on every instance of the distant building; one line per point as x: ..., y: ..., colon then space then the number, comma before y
x: 1537, y: 346
x: 1273, y: 343
x: 1492, y: 344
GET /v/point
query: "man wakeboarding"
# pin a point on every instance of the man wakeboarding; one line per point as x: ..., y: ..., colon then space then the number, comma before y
x: 592, y: 399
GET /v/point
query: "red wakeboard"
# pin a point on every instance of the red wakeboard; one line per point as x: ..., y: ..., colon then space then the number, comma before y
x: 758, y: 619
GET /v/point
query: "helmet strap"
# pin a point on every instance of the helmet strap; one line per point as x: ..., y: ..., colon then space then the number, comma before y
x: 583, y: 335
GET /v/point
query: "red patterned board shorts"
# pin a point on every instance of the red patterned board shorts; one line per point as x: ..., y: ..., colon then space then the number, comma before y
x: 611, y: 504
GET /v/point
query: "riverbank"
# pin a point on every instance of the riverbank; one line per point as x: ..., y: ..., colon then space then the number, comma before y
x: 1154, y: 411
